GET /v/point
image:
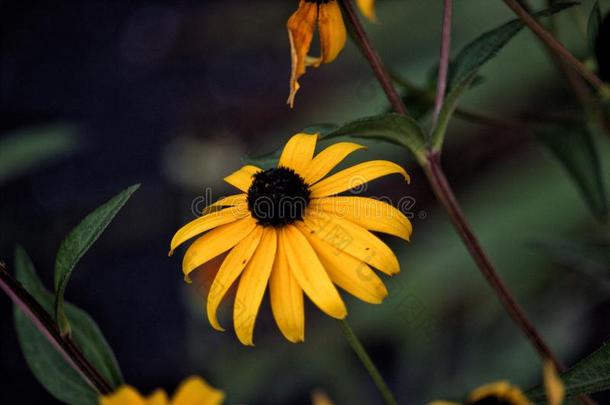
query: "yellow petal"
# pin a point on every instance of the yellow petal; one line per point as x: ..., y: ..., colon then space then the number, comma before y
x: 555, y: 391
x: 125, y: 395
x: 349, y: 273
x: 371, y: 214
x: 229, y: 201
x: 332, y: 33
x: 300, y: 27
x: 500, y: 391
x: 230, y: 269
x: 319, y: 397
x: 215, y: 242
x: 355, y: 176
x: 195, y: 391
x: 252, y: 286
x: 310, y: 273
x: 242, y: 178
x: 353, y: 240
x: 367, y: 8
x: 159, y: 397
x: 203, y: 224
x: 298, y: 152
x: 286, y: 299
x: 326, y: 160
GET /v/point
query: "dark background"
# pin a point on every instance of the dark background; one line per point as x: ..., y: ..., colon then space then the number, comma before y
x: 173, y: 94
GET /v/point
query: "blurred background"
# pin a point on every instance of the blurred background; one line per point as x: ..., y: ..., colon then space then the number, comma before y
x: 98, y: 95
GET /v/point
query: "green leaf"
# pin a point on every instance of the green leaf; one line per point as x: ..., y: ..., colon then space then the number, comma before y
x: 48, y: 365
x: 588, y: 376
x: 24, y: 149
x: 393, y: 128
x: 76, y: 244
x: 464, y: 68
x: 592, y: 257
x: 575, y: 148
x: 595, y: 20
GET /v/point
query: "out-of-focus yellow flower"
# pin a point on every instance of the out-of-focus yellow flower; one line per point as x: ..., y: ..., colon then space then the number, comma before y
x: 193, y: 391
x: 288, y: 229
x: 326, y: 14
x: 319, y: 397
x: 500, y: 393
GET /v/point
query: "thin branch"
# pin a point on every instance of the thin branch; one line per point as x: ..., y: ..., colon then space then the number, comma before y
x: 554, y: 45
x: 47, y: 326
x: 443, y: 68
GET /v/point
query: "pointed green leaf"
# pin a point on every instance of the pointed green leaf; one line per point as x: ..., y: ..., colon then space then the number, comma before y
x: 588, y: 376
x: 47, y: 365
x: 575, y: 148
x: 595, y: 20
x: 76, y: 244
x: 464, y: 68
x: 393, y: 128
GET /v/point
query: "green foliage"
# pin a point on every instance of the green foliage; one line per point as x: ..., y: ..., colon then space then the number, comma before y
x: 592, y: 258
x: 595, y: 20
x: 24, y: 149
x: 465, y: 66
x: 588, y: 376
x: 393, y: 128
x: 77, y: 243
x: 575, y: 148
x: 46, y: 363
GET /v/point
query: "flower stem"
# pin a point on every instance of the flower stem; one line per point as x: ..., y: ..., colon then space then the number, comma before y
x: 443, y: 68
x: 554, y: 45
x: 47, y: 326
x: 381, y: 73
x: 352, y: 339
x: 444, y: 193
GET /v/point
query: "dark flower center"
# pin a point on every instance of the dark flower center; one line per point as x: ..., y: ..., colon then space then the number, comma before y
x: 277, y: 197
x: 318, y: 1
x: 491, y: 400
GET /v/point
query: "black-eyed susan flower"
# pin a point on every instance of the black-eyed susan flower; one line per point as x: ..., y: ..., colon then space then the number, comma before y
x: 288, y: 230
x: 193, y: 391
x: 503, y: 393
x: 497, y: 393
x: 326, y: 15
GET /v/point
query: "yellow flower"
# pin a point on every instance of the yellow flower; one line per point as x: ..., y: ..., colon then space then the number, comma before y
x: 287, y: 229
x: 301, y: 26
x: 502, y: 393
x: 193, y: 391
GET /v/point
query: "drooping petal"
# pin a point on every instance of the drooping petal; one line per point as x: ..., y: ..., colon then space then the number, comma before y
x: 286, y: 298
x: 367, y: 8
x: 195, y: 390
x: 301, y: 26
x: 371, y: 214
x: 332, y: 33
x: 125, y: 395
x: 355, y: 176
x: 349, y: 273
x: 298, y: 152
x: 229, y: 271
x: 326, y: 160
x: 353, y: 240
x: 215, y: 242
x: 310, y: 273
x: 203, y: 224
x: 242, y: 178
x: 252, y: 286
x: 235, y: 200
